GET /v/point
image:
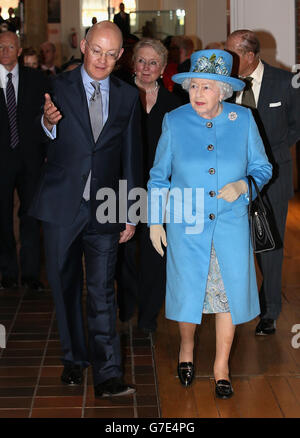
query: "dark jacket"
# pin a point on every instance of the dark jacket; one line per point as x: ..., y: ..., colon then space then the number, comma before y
x: 115, y: 155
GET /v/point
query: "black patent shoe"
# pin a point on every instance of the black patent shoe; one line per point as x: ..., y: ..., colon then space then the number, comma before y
x: 72, y: 375
x: 223, y: 389
x: 185, y: 372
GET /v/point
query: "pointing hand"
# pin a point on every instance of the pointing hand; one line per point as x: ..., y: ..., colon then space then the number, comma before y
x: 51, y: 114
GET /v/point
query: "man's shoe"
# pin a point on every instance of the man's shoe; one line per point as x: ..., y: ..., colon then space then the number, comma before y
x: 32, y: 284
x: 9, y: 283
x: 72, y: 375
x: 112, y: 388
x: 265, y: 327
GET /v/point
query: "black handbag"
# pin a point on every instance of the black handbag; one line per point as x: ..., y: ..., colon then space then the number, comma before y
x: 261, y: 236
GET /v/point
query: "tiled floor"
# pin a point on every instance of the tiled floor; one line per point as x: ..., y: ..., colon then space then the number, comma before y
x: 30, y: 367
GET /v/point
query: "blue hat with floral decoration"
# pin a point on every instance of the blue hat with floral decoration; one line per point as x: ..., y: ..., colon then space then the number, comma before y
x: 211, y: 64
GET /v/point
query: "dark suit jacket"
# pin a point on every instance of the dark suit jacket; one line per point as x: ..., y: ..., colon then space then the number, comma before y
x: 116, y: 154
x: 32, y: 87
x: 124, y: 25
x: 279, y: 126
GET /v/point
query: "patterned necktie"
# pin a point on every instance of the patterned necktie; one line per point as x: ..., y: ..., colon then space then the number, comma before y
x: 248, y: 99
x: 96, y: 118
x: 12, y: 112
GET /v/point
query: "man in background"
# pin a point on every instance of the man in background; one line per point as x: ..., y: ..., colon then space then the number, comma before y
x: 21, y: 158
x: 48, y: 51
x: 122, y: 20
x: 275, y: 104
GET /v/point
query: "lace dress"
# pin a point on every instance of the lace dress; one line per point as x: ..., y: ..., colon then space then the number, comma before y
x: 215, y: 300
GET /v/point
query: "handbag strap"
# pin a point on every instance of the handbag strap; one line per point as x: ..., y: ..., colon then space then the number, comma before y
x: 261, y: 204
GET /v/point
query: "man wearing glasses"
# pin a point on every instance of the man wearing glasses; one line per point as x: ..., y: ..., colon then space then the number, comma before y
x: 92, y: 126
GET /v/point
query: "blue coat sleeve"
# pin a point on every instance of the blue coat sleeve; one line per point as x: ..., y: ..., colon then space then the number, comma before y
x: 258, y: 164
x: 159, y: 182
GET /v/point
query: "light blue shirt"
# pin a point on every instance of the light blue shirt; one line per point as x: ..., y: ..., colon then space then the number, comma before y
x: 89, y: 91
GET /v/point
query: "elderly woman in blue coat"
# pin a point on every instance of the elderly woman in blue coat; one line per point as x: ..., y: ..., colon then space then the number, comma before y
x: 198, y: 186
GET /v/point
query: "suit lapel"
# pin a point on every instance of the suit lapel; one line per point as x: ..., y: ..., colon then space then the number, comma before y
x: 78, y: 100
x: 264, y: 88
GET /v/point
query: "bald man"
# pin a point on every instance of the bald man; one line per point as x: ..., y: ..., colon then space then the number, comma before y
x: 92, y: 124
x: 48, y: 51
x: 21, y: 158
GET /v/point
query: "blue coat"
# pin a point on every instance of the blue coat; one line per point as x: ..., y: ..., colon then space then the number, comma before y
x: 203, y: 156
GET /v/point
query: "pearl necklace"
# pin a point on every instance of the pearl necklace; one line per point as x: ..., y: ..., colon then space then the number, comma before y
x: 153, y: 90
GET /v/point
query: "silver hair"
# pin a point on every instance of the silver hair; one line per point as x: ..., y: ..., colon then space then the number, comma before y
x: 226, y: 90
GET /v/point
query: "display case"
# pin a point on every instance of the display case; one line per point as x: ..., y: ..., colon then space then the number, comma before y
x: 157, y: 24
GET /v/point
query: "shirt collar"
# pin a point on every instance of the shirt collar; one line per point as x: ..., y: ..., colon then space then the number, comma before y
x: 86, y: 79
x: 44, y: 67
x: 257, y: 74
x: 14, y: 71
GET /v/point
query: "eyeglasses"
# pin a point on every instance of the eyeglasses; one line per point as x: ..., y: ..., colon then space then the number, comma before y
x: 110, y: 55
x: 152, y: 63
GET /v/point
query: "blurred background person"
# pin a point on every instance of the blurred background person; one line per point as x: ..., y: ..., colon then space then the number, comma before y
x: 136, y: 283
x: 122, y: 20
x: 172, y: 63
x: 94, y: 21
x: 71, y: 64
x: 1, y: 18
x: 182, y: 47
x: 21, y: 159
x: 124, y: 67
x: 30, y: 58
x: 13, y: 21
x: 47, y: 54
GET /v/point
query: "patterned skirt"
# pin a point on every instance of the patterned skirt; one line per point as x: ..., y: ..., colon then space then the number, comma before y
x: 215, y: 300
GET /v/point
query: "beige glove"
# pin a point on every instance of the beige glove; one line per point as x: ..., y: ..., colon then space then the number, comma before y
x: 232, y: 191
x: 158, y: 235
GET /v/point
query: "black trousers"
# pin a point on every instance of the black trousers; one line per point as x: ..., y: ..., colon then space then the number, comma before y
x: 141, y: 279
x: 65, y: 248
x: 270, y: 263
x: 24, y: 180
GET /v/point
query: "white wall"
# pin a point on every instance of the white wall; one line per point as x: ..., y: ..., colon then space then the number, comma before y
x: 70, y: 18
x: 274, y: 22
x: 211, y: 21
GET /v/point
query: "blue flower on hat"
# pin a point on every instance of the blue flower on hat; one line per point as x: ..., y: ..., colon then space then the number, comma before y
x: 211, y: 65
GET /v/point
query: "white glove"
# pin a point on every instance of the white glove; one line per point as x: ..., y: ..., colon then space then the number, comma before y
x: 232, y: 191
x: 158, y: 236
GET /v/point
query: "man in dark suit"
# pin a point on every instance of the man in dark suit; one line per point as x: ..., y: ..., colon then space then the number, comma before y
x: 275, y: 103
x: 21, y: 158
x: 48, y: 51
x: 122, y: 20
x: 94, y: 123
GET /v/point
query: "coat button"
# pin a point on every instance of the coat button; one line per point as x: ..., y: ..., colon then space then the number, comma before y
x: 212, y: 171
x: 212, y: 216
x: 209, y: 124
x: 212, y: 193
x: 210, y: 147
